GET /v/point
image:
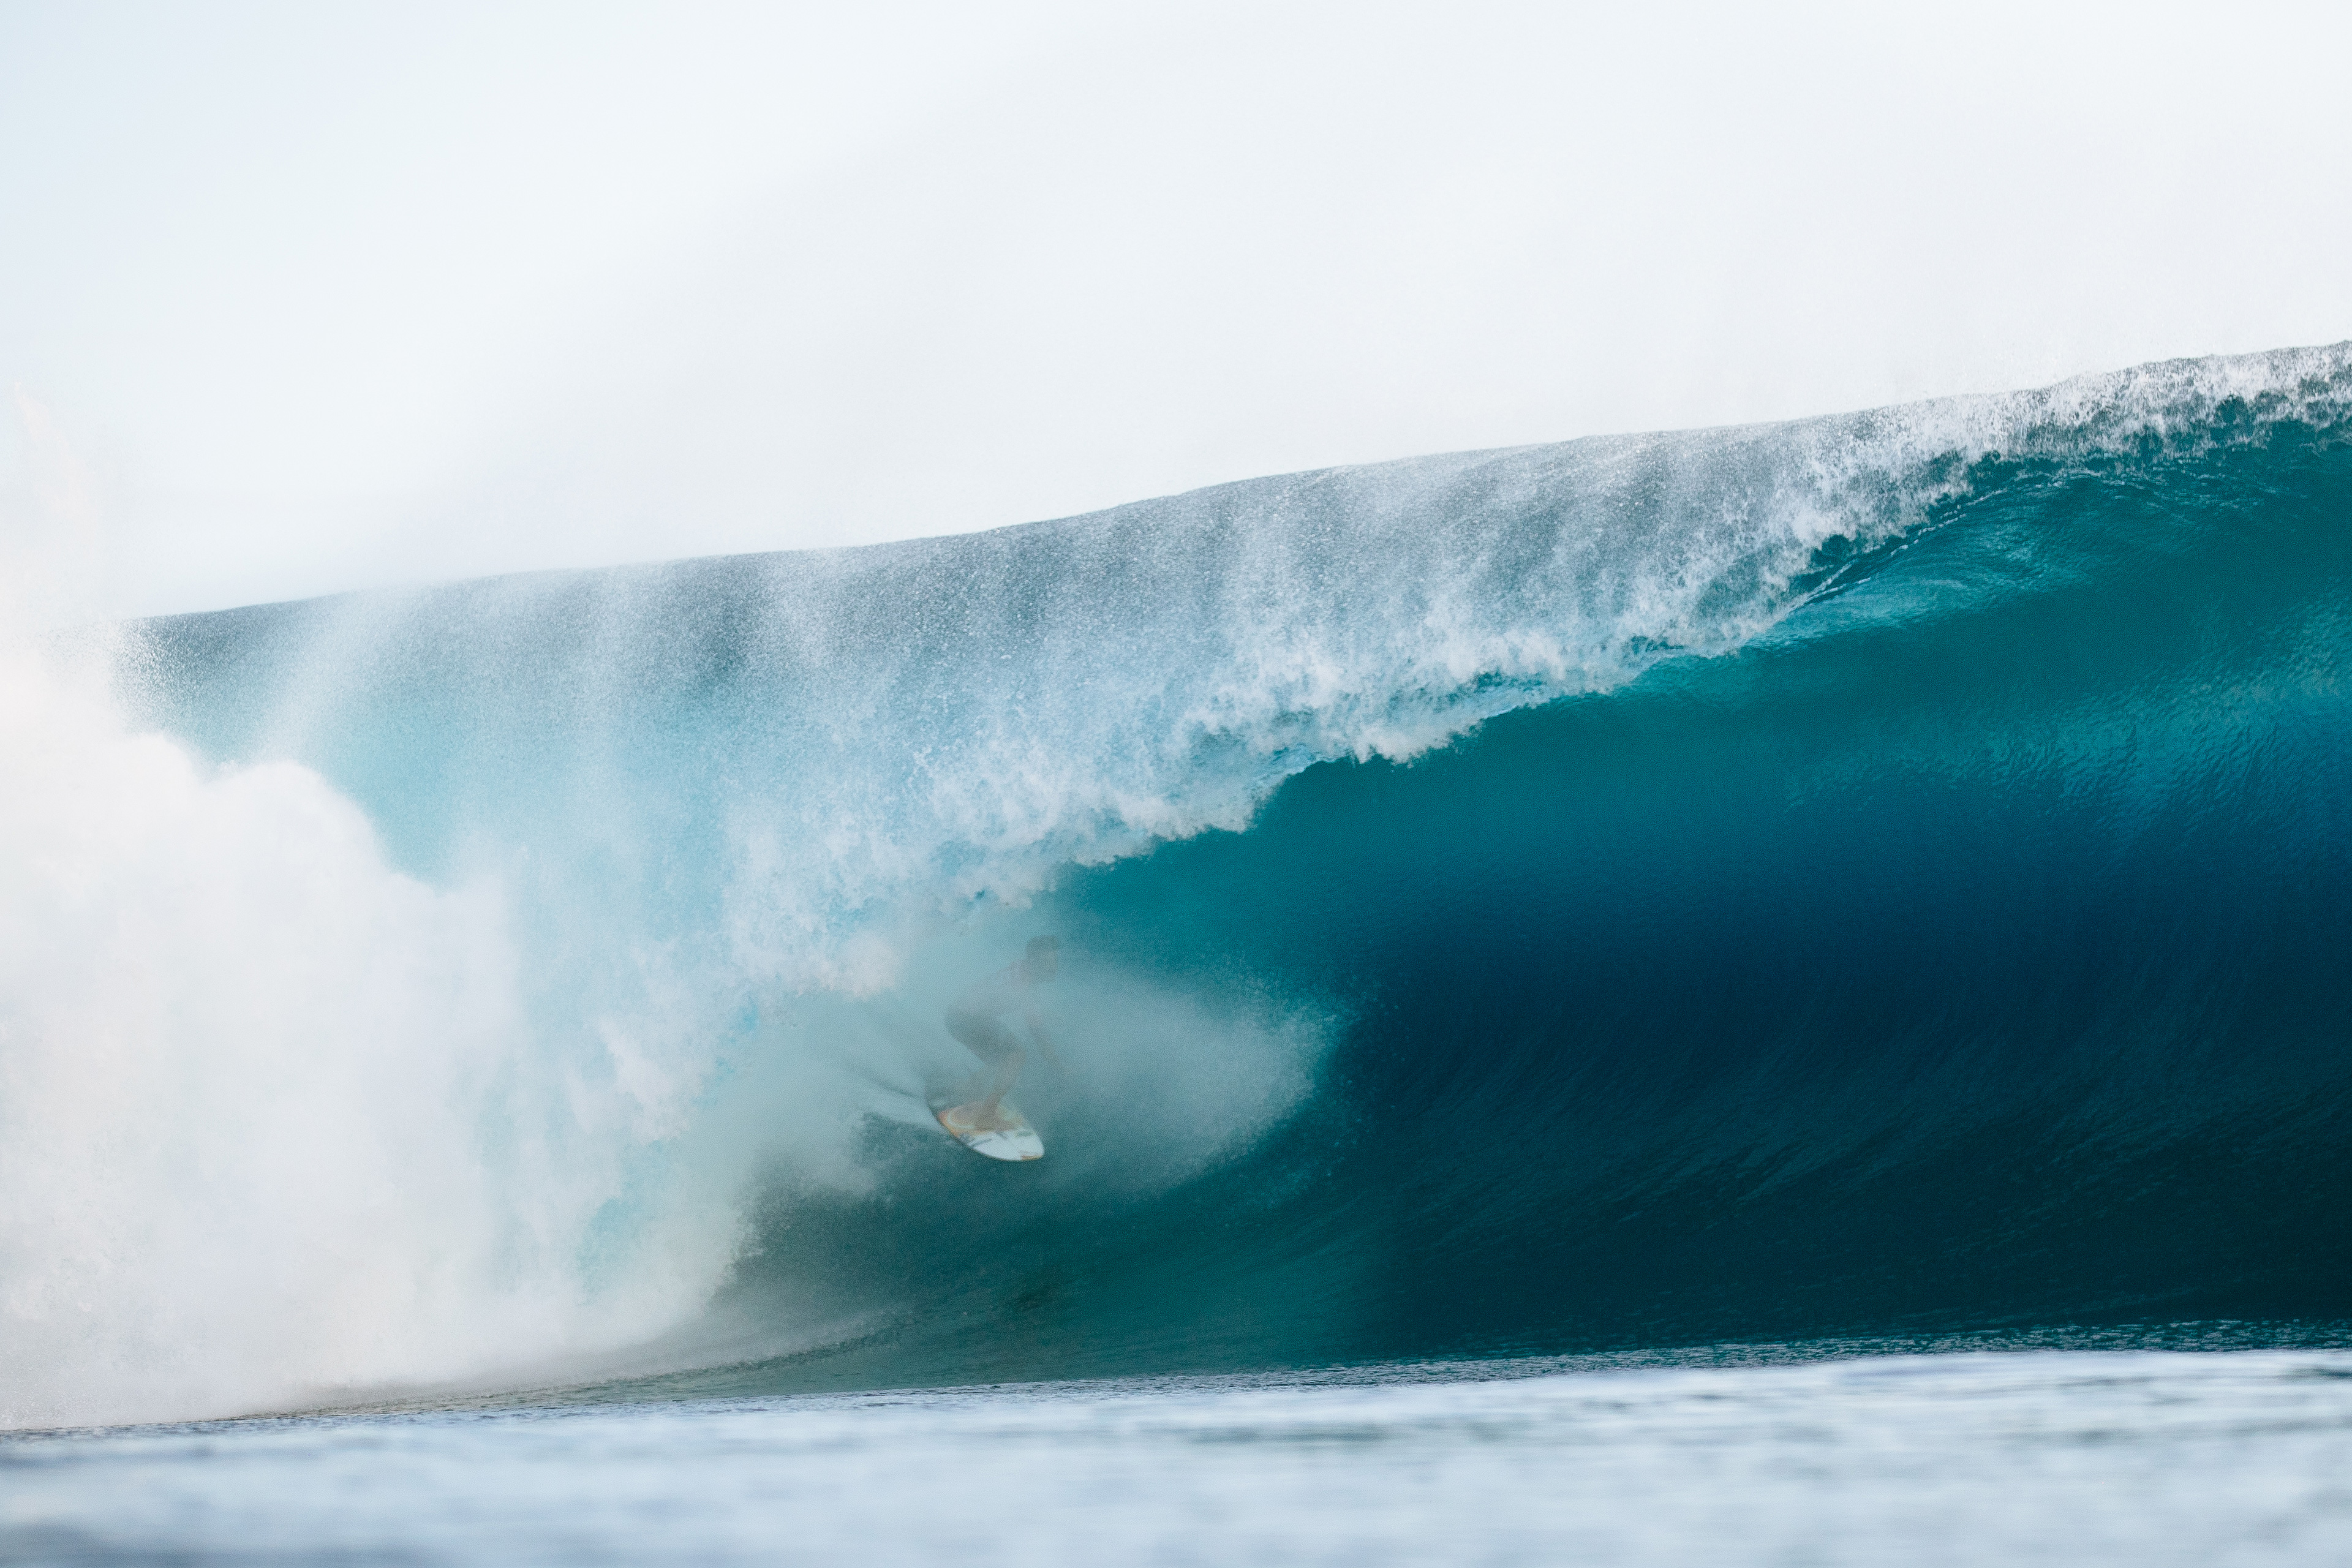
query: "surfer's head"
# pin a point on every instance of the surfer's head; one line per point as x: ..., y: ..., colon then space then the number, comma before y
x: 1044, y: 956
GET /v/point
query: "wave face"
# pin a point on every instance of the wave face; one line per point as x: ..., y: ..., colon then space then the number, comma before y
x: 1876, y: 874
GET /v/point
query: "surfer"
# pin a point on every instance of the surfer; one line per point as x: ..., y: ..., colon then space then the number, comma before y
x: 977, y: 1019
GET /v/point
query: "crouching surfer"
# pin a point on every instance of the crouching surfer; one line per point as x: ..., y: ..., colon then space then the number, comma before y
x: 977, y: 1019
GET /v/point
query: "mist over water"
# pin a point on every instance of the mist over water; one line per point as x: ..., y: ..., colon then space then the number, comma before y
x: 262, y: 1128
x: 1794, y: 878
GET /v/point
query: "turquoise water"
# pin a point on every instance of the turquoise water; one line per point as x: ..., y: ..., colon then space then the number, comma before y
x: 1879, y: 874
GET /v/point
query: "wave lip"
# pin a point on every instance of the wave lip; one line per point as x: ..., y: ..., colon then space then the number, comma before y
x: 861, y: 734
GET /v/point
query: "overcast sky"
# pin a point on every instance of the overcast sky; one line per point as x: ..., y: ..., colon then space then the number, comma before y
x: 299, y: 297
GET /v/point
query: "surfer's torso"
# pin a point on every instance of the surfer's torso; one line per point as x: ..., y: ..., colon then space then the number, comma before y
x: 994, y: 995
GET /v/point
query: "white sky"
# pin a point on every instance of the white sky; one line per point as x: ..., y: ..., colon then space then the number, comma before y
x: 316, y: 297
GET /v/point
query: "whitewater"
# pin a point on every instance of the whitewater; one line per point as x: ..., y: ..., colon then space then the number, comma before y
x: 1842, y: 884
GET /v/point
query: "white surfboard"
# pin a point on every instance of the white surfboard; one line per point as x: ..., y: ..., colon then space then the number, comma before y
x: 1018, y: 1141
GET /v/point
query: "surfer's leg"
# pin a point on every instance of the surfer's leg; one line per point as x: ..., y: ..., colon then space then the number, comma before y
x: 995, y: 1045
x: 1007, y: 1070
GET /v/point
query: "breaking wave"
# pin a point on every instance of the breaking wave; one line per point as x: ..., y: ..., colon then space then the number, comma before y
x: 1875, y: 873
